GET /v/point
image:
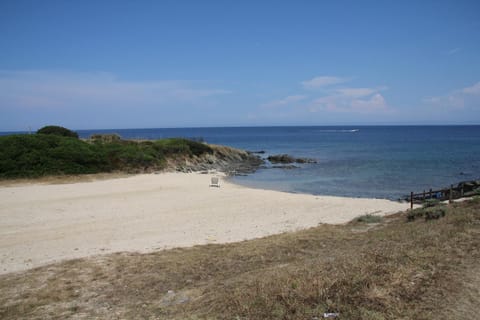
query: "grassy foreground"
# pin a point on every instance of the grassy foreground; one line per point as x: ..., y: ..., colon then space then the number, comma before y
x: 394, y: 269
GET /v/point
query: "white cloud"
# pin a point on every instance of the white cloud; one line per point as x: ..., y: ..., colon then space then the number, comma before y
x: 285, y: 101
x: 453, y: 51
x: 60, y: 89
x: 356, y: 92
x: 359, y: 92
x: 352, y: 100
x: 344, y: 103
x: 334, y: 98
x: 375, y: 103
x: 468, y: 97
x: 475, y: 89
x: 323, y: 81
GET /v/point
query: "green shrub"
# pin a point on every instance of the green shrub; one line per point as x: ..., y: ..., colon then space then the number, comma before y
x: 369, y: 218
x: 436, y: 213
x: 105, y: 138
x: 130, y: 155
x: 182, y: 146
x: 429, y: 213
x: 429, y: 203
x: 39, y: 155
x: 476, y: 199
x: 198, y: 148
x: 23, y: 156
x: 59, y: 131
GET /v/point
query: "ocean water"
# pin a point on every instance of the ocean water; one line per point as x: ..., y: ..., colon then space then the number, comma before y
x: 361, y: 161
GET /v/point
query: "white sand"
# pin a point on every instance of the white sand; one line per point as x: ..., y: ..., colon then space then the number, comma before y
x: 41, y: 224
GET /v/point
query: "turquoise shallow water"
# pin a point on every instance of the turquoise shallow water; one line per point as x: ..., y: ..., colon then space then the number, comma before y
x: 360, y: 161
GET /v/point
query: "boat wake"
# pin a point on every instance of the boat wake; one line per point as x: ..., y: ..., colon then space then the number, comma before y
x: 338, y: 130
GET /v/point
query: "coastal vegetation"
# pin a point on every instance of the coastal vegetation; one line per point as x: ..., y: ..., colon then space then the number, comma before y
x: 58, y: 151
x: 59, y: 131
x: 395, y: 269
x: 369, y: 218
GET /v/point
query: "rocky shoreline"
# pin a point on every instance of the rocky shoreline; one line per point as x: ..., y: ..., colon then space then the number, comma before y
x: 288, y: 159
x: 229, y: 160
x: 236, y: 162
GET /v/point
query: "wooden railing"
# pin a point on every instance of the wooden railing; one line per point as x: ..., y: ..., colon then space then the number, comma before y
x: 441, y: 195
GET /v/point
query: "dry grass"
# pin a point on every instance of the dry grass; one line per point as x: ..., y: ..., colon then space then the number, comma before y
x: 392, y: 270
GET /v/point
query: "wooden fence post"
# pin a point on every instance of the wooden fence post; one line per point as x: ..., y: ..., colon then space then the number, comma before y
x: 411, y: 200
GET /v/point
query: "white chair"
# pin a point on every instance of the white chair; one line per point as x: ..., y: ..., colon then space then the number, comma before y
x: 215, y: 182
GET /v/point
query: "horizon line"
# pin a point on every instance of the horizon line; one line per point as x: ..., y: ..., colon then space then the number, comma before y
x: 263, y: 126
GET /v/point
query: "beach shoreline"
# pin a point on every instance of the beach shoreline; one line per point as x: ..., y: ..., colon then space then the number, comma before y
x: 46, y: 222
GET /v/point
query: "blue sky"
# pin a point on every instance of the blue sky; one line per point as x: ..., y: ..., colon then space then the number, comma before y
x: 137, y: 64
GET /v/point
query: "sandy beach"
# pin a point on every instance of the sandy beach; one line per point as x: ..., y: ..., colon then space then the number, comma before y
x: 46, y: 223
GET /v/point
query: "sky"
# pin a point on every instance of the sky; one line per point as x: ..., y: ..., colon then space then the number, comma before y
x: 160, y: 64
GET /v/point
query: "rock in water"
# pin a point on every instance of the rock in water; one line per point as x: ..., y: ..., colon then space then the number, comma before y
x: 286, y: 159
x: 281, y: 158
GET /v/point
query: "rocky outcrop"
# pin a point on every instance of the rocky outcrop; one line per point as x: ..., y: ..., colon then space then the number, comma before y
x: 225, y: 159
x: 233, y: 161
x: 287, y: 159
x: 285, y: 167
x: 305, y: 160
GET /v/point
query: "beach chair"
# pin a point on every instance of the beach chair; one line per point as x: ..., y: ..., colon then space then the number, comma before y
x: 215, y: 182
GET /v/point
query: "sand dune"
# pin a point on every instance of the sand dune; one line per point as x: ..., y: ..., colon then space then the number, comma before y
x: 41, y: 224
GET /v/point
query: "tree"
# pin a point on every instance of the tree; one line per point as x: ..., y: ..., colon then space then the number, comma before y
x: 57, y: 130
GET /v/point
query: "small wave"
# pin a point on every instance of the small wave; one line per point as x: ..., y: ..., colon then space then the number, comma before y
x: 337, y: 130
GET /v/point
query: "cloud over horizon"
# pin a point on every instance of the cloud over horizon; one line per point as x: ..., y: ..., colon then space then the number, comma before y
x: 99, y: 100
x: 104, y: 100
x: 468, y: 97
x: 285, y: 101
x: 335, y: 97
x: 323, y: 81
x: 65, y: 89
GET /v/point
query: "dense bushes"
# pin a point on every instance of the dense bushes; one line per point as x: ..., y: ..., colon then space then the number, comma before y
x: 131, y: 156
x: 58, y: 131
x: 39, y: 155
x: 52, y: 154
x: 182, y: 146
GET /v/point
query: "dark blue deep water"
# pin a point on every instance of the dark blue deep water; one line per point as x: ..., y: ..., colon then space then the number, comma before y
x: 360, y: 161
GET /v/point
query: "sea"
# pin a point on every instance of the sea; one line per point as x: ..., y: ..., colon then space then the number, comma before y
x: 385, y: 162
